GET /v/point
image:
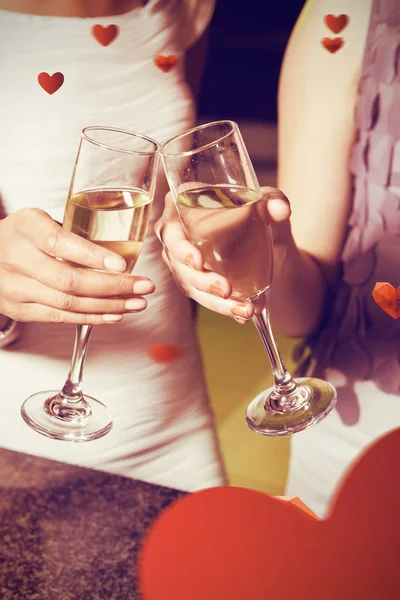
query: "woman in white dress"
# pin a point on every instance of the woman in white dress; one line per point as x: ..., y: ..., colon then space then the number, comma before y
x: 130, y: 76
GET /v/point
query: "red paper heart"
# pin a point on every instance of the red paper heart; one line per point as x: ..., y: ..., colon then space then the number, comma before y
x: 105, y: 35
x: 50, y: 83
x: 239, y: 544
x: 336, y: 24
x: 165, y: 353
x: 387, y: 298
x: 332, y: 44
x: 165, y: 63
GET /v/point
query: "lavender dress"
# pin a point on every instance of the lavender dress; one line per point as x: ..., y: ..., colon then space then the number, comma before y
x: 358, y: 348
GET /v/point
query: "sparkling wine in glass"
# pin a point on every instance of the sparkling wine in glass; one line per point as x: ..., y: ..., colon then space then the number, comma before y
x: 220, y: 205
x: 109, y: 203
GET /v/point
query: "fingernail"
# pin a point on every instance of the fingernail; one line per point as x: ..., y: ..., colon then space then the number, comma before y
x: 189, y: 260
x: 136, y: 304
x: 277, y: 195
x: 143, y: 287
x: 112, y: 318
x: 279, y: 205
x: 217, y: 289
x: 240, y: 321
x: 114, y: 263
x: 240, y: 311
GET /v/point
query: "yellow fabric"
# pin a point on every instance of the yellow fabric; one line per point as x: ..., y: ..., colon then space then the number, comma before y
x: 237, y: 369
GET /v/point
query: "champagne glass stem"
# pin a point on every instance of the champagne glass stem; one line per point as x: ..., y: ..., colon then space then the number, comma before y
x: 69, y: 404
x: 263, y: 326
x: 72, y: 389
x: 287, y: 395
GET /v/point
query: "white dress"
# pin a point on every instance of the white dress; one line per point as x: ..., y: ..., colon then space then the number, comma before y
x: 163, y: 428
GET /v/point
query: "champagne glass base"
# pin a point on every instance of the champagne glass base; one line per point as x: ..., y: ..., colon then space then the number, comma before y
x: 264, y: 417
x: 36, y: 412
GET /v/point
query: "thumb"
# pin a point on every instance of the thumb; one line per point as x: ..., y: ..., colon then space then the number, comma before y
x: 278, y: 204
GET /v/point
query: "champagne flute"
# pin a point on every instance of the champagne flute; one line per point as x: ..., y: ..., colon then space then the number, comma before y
x: 220, y: 205
x: 109, y: 203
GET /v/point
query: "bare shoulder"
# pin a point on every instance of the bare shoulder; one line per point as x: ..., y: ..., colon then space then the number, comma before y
x: 329, y: 38
x: 317, y: 96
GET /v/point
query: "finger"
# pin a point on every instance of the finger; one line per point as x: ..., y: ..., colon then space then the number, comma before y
x: 242, y: 311
x: 203, y: 281
x: 272, y: 193
x: 170, y: 213
x: 32, y: 312
x: 171, y: 234
x: 45, y: 234
x: 78, y: 281
x: 179, y: 248
x: 21, y: 289
x: 277, y: 203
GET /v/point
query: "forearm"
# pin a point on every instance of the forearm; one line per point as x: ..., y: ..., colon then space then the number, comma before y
x: 316, y: 132
x: 298, y: 292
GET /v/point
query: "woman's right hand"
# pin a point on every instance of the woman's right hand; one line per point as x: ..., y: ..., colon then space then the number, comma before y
x: 35, y: 286
x: 186, y: 262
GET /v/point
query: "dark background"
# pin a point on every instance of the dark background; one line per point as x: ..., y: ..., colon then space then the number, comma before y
x: 247, y: 43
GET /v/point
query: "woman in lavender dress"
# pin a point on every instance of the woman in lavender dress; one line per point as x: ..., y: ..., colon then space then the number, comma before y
x: 339, y: 163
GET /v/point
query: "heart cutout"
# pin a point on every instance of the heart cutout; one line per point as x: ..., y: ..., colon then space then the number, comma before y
x: 332, y: 44
x: 165, y: 353
x: 105, y: 35
x: 336, y: 23
x: 387, y: 298
x: 241, y: 544
x: 165, y: 63
x: 50, y: 83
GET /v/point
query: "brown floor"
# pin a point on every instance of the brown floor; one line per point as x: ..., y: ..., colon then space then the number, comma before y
x: 237, y: 368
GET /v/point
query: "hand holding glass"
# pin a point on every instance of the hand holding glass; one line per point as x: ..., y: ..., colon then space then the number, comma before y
x: 220, y: 205
x: 109, y: 203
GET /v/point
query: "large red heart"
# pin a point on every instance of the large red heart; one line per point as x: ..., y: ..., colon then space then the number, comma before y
x: 336, y: 24
x: 105, y: 35
x: 387, y: 298
x: 50, y: 83
x: 332, y: 44
x: 165, y: 63
x: 239, y: 544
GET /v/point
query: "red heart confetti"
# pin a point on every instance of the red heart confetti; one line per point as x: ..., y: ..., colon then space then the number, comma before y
x: 105, y: 35
x: 50, y: 83
x: 387, y: 298
x: 165, y: 353
x: 301, y: 506
x: 241, y: 544
x: 332, y: 44
x: 336, y: 24
x: 165, y: 63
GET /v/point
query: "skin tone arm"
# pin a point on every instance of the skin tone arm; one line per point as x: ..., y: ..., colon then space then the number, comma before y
x: 70, y: 8
x: 317, y: 97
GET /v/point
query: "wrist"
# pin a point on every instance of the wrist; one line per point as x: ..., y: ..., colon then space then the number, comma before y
x: 298, y: 290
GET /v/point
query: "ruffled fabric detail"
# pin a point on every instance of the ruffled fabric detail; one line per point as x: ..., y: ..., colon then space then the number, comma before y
x: 357, y: 339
